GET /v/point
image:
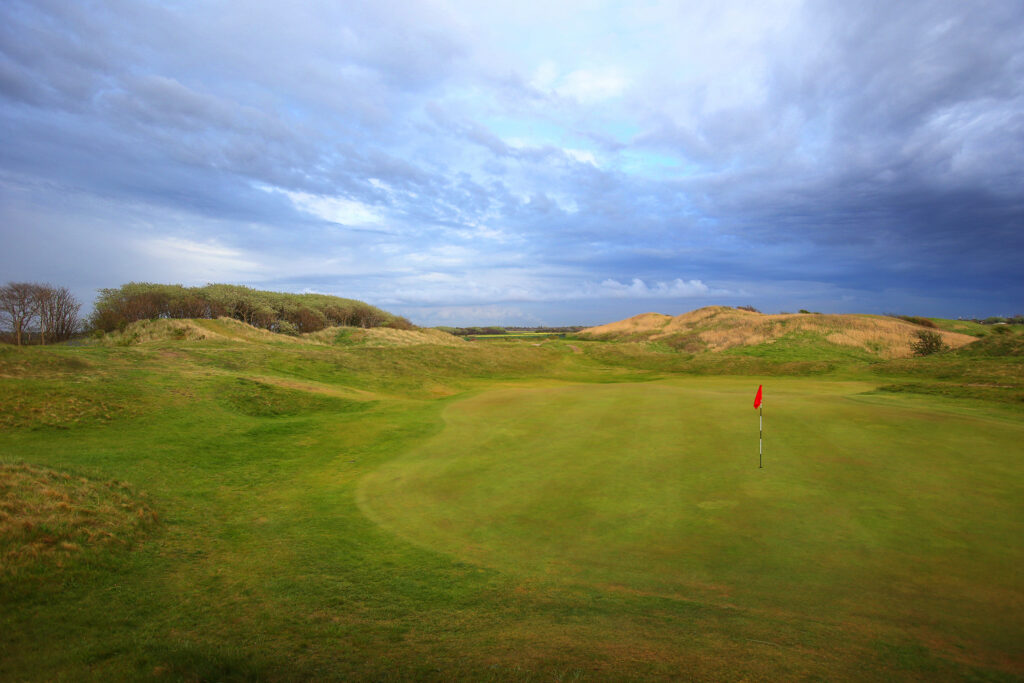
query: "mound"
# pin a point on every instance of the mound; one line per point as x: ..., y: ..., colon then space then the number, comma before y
x: 642, y: 325
x: 191, y: 329
x: 46, y: 517
x: 719, y: 328
x: 383, y: 337
x: 1002, y: 341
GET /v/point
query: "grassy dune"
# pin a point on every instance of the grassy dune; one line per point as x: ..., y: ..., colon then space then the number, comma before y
x: 325, y: 509
x: 793, y: 335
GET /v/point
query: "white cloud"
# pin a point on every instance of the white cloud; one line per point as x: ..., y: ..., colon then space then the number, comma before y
x: 332, y: 208
x: 473, y: 315
x: 587, y: 86
x: 581, y: 155
x: 336, y: 209
x: 189, y: 260
x: 590, y: 86
x: 638, y: 289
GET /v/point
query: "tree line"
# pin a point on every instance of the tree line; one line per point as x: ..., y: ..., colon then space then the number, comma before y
x: 42, y: 313
x: 275, y: 311
x: 31, y: 312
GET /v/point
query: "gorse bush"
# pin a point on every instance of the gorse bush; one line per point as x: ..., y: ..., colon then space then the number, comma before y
x: 281, y: 312
x: 928, y: 343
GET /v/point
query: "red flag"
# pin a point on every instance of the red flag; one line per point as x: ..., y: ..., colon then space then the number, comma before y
x: 757, y: 399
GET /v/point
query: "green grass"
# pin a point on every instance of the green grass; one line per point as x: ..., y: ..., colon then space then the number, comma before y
x: 802, y: 346
x: 571, y: 511
x: 657, y: 493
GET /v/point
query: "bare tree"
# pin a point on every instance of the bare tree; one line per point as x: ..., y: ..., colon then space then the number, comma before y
x: 19, y: 303
x: 58, y: 313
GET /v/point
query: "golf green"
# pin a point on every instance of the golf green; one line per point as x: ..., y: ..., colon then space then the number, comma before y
x: 873, y: 512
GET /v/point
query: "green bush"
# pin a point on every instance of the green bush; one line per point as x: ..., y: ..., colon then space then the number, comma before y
x: 282, y: 312
x: 928, y: 343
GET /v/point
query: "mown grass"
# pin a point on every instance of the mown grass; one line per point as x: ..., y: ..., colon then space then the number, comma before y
x: 263, y: 460
x: 664, y: 499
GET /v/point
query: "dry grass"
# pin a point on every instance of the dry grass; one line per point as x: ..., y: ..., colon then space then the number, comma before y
x: 46, y: 517
x: 188, y: 329
x: 164, y: 330
x: 59, y: 407
x: 645, y: 323
x: 383, y: 337
x: 720, y: 328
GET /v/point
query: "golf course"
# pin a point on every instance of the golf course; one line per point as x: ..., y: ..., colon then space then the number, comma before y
x: 200, y: 500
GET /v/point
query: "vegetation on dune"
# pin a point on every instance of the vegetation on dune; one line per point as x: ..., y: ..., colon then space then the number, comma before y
x: 1001, y: 341
x: 928, y: 343
x: 720, y: 328
x: 275, y: 311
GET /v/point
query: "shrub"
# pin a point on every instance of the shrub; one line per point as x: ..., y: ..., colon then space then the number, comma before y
x: 918, y: 320
x: 400, y: 323
x: 285, y: 327
x: 928, y: 343
x: 118, y: 307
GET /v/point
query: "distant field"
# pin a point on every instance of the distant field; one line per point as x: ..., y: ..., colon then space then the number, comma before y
x: 243, y: 506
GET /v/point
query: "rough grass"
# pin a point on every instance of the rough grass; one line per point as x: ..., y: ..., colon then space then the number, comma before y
x: 383, y: 337
x: 229, y: 329
x: 48, y: 517
x: 719, y: 328
x: 188, y: 329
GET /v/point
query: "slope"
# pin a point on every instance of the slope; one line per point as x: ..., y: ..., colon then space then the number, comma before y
x: 720, y: 328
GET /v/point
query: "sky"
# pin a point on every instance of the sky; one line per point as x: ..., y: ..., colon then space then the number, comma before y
x: 522, y: 163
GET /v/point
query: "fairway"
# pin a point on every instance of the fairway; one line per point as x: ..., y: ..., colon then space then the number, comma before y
x: 874, y: 514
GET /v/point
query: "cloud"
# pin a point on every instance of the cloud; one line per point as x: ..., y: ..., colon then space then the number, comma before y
x: 564, y: 155
x: 335, y: 209
x: 206, y: 261
x: 590, y: 86
x: 638, y: 289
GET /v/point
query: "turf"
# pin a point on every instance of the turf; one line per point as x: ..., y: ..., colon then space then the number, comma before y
x: 870, y: 512
x: 504, y: 511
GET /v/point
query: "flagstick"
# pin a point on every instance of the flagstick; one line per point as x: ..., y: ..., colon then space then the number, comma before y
x: 760, y: 437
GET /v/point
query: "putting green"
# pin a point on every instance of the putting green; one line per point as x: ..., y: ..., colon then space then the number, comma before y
x: 870, y: 509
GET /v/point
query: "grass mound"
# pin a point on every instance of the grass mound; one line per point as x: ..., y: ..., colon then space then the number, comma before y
x: 381, y: 337
x: 720, y: 328
x: 188, y: 329
x: 47, y: 517
x: 1002, y: 341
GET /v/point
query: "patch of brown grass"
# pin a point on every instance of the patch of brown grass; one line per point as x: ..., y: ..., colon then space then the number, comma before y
x: 56, y: 407
x: 47, y: 517
x: 643, y: 324
x: 384, y: 337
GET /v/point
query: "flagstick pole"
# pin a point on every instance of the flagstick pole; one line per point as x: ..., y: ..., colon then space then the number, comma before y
x: 760, y: 437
